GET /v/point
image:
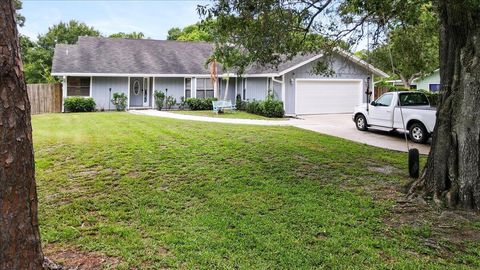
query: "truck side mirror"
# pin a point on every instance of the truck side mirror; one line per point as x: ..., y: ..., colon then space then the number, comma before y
x: 373, y: 103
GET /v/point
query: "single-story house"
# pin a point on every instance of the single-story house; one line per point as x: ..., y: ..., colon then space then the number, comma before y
x: 98, y: 67
x: 431, y: 82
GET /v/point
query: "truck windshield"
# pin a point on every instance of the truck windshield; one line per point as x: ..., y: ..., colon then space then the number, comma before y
x: 413, y: 99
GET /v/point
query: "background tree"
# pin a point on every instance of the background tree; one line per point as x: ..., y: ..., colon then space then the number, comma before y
x: 411, y: 51
x: 201, y: 31
x: 174, y: 33
x: 267, y: 31
x: 20, y: 246
x: 65, y: 33
x: 132, y: 35
x: 38, y: 58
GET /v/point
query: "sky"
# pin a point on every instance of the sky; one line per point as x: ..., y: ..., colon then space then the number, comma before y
x: 154, y: 17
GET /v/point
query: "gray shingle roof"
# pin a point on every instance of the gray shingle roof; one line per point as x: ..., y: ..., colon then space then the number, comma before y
x: 131, y: 56
x: 97, y: 55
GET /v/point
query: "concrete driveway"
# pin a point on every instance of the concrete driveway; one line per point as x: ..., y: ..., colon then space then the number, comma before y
x: 341, y: 125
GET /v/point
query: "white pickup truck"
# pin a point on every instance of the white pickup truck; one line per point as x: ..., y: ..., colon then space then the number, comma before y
x: 386, y: 113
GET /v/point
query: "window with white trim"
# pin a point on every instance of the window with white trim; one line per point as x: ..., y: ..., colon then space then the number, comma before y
x: 78, y: 86
x: 188, y: 88
x: 434, y: 87
x: 205, y: 88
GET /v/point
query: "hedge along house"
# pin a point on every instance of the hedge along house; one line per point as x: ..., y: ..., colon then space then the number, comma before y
x: 98, y: 67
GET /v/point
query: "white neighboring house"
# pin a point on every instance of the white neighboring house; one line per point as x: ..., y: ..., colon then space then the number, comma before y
x: 431, y: 82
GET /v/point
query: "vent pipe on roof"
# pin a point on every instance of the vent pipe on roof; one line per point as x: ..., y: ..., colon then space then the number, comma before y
x: 66, y: 52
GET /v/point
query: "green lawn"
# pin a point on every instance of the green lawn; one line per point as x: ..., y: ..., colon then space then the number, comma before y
x: 228, y: 114
x: 162, y: 193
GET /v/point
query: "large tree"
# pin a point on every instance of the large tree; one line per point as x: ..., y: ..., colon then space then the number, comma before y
x: 267, y: 32
x: 20, y: 246
x: 452, y: 173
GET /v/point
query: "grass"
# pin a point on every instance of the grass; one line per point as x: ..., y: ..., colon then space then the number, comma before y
x: 163, y: 193
x: 227, y: 114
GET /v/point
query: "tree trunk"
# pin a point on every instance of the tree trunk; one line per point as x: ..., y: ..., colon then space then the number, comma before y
x: 452, y: 173
x: 20, y: 246
x: 405, y: 82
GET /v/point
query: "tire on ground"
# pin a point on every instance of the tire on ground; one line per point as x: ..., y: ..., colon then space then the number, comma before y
x: 415, y: 128
x: 413, y: 163
x: 360, y: 117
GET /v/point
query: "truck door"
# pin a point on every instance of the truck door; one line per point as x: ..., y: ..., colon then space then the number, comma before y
x: 381, y: 111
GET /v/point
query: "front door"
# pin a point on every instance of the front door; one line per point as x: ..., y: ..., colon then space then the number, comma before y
x: 146, y: 92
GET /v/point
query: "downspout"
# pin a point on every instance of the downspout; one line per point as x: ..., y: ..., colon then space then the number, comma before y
x: 282, y: 83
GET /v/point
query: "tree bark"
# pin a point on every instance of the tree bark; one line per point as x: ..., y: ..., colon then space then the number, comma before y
x: 452, y: 173
x: 20, y: 246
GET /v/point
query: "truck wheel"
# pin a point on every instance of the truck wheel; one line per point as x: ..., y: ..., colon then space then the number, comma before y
x: 418, y: 133
x: 361, y: 122
x: 413, y: 163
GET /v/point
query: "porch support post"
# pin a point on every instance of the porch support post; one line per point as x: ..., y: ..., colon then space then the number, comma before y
x: 153, y: 93
x: 283, y: 91
x: 236, y: 88
x: 194, y: 88
x: 64, y: 92
x: 128, y: 94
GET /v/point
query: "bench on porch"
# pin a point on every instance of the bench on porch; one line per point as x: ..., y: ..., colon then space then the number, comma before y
x: 221, y: 105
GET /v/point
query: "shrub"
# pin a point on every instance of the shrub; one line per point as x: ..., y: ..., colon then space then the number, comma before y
x: 273, y: 108
x: 79, y: 104
x: 170, y: 101
x: 268, y: 108
x: 120, y: 101
x: 239, y: 103
x: 159, y: 99
x: 200, y: 104
x: 182, y: 104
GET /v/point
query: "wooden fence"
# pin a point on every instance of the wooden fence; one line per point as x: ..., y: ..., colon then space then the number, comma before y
x: 45, y: 98
x: 379, y: 90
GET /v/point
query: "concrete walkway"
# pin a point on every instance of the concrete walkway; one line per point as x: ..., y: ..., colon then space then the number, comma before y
x: 338, y: 125
x: 212, y: 119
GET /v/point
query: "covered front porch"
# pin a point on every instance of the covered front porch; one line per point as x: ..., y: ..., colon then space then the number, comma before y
x: 140, y: 93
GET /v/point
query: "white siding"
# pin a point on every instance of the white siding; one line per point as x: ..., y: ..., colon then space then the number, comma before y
x: 424, y: 83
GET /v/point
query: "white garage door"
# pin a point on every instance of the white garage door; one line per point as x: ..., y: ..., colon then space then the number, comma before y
x: 327, y: 96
